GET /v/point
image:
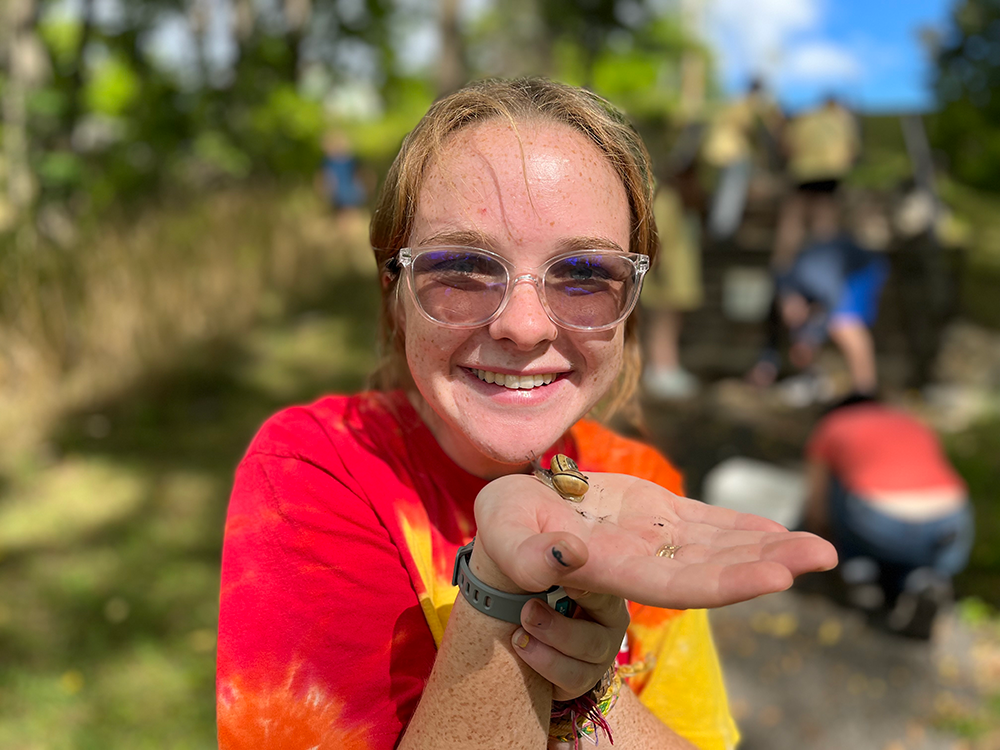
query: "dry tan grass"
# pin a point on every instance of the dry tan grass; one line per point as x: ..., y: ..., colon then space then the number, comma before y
x: 77, y: 324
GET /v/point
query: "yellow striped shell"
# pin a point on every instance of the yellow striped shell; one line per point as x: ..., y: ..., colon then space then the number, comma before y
x: 567, y: 479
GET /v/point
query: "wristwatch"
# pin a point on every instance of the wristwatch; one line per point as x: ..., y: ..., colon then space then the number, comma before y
x: 501, y: 604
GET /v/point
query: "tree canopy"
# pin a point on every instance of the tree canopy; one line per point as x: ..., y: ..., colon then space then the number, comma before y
x: 967, y: 85
x: 102, y: 109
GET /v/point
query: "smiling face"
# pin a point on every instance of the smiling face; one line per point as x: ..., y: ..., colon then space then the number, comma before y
x: 497, y: 396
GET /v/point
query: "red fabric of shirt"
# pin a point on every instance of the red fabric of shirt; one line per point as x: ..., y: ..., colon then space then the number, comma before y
x: 875, y: 448
x: 322, y: 640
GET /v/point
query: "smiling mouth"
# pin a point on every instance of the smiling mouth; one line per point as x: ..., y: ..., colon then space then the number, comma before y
x: 516, y: 382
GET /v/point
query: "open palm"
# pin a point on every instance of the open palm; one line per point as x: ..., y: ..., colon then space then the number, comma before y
x: 610, y: 539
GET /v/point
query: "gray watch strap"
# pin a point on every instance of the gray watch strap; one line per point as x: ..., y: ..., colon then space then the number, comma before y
x: 501, y: 604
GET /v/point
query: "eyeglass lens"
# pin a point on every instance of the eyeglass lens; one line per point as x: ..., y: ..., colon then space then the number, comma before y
x: 464, y: 287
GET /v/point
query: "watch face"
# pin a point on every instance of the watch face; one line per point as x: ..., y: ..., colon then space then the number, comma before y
x: 565, y: 606
x: 557, y: 599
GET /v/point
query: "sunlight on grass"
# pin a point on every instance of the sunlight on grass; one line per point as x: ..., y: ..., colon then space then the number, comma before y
x: 313, y: 350
x: 67, y: 502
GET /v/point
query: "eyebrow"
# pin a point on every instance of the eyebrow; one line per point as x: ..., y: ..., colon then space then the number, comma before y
x: 471, y: 238
x: 590, y: 243
x: 464, y: 238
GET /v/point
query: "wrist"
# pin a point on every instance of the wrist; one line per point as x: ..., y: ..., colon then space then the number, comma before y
x: 487, y: 571
x: 499, y: 603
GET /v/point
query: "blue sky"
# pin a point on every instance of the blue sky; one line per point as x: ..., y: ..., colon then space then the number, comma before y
x: 867, y: 51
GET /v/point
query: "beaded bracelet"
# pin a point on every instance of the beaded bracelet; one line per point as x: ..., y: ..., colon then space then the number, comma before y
x: 583, y: 716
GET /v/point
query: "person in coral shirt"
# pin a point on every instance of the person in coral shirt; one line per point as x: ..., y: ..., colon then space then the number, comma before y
x: 512, y: 234
x: 883, y: 491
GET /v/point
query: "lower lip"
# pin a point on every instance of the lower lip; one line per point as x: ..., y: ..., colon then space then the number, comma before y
x: 526, y: 396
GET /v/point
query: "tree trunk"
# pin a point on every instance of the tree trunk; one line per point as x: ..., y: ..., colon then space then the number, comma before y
x: 23, y: 70
x: 244, y: 20
x: 198, y: 13
x: 298, y: 14
x: 452, y: 71
x: 76, y: 74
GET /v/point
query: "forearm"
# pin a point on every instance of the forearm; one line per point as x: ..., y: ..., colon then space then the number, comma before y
x: 635, y: 727
x: 480, y: 694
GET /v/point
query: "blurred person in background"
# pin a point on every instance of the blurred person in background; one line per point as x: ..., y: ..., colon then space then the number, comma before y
x: 512, y: 234
x: 882, y: 490
x: 821, y: 146
x: 340, y: 176
x: 673, y: 285
x: 831, y: 290
x: 344, y: 184
x: 730, y: 146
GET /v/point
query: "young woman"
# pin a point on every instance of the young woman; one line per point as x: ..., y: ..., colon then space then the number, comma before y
x: 512, y: 232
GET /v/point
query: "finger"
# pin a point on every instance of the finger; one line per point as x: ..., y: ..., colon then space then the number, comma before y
x: 696, y: 511
x: 570, y: 677
x: 706, y: 585
x: 580, y: 639
x: 607, y: 609
x: 801, y: 552
x: 542, y: 560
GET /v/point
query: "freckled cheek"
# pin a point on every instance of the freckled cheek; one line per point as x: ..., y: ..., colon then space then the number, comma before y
x: 429, y: 349
x: 604, y: 360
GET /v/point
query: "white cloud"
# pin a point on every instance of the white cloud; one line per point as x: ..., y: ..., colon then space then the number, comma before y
x: 780, y: 40
x: 820, y: 62
x: 751, y: 37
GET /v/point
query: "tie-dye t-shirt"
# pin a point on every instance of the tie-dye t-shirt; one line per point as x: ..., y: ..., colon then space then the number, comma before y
x: 342, y: 531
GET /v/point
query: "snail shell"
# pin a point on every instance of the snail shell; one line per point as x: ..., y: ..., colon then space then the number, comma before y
x: 567, y: 479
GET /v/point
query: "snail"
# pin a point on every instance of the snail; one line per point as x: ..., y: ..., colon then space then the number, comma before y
x: 565, y: 477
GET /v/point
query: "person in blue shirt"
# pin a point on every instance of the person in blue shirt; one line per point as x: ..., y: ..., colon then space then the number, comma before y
x: 831, y: 289
x: 340, y: 174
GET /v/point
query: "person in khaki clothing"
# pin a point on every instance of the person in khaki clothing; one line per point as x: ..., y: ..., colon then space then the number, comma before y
x: 672, y: 287
x: 729, y: 146
x: 821, y: 147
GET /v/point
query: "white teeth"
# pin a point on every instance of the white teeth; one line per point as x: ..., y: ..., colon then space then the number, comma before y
x: 516, y: 382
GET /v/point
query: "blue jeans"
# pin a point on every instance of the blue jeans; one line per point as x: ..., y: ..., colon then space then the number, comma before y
x: 860, y: 529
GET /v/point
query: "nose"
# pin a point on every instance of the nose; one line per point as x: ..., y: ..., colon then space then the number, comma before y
x: 524, y: 320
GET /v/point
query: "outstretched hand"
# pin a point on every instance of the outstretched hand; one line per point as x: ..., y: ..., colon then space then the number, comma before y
x: 608, y: 542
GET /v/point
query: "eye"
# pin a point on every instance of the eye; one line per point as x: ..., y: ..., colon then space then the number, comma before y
x: 586, y: 273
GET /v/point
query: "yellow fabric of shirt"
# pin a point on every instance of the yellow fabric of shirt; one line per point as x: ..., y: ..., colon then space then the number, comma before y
x: 822, y: 144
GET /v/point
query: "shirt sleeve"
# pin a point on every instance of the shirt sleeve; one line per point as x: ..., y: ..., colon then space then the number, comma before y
x: 321, y: 636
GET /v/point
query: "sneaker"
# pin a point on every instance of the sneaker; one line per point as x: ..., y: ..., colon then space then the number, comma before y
x: 799, y: 391
x: 676, y: 383
x: 862, y: 590
x: 925, y: 592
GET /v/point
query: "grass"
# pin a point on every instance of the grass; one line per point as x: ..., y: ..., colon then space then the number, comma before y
x: 110, y: 539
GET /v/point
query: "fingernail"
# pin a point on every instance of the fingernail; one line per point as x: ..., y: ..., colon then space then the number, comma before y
x: 521, y: 638
x: 561, y: 556
x: 540, y: 615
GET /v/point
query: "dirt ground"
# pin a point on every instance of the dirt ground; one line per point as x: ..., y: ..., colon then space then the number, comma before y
x: 804, y: 670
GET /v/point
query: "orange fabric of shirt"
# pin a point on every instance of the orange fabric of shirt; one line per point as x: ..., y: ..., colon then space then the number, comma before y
x: 876, y: 448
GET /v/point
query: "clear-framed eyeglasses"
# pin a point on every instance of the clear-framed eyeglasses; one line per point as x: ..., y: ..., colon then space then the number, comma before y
x: 468, y: 287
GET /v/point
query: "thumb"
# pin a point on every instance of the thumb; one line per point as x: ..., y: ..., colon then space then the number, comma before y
x: 542, y: 560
